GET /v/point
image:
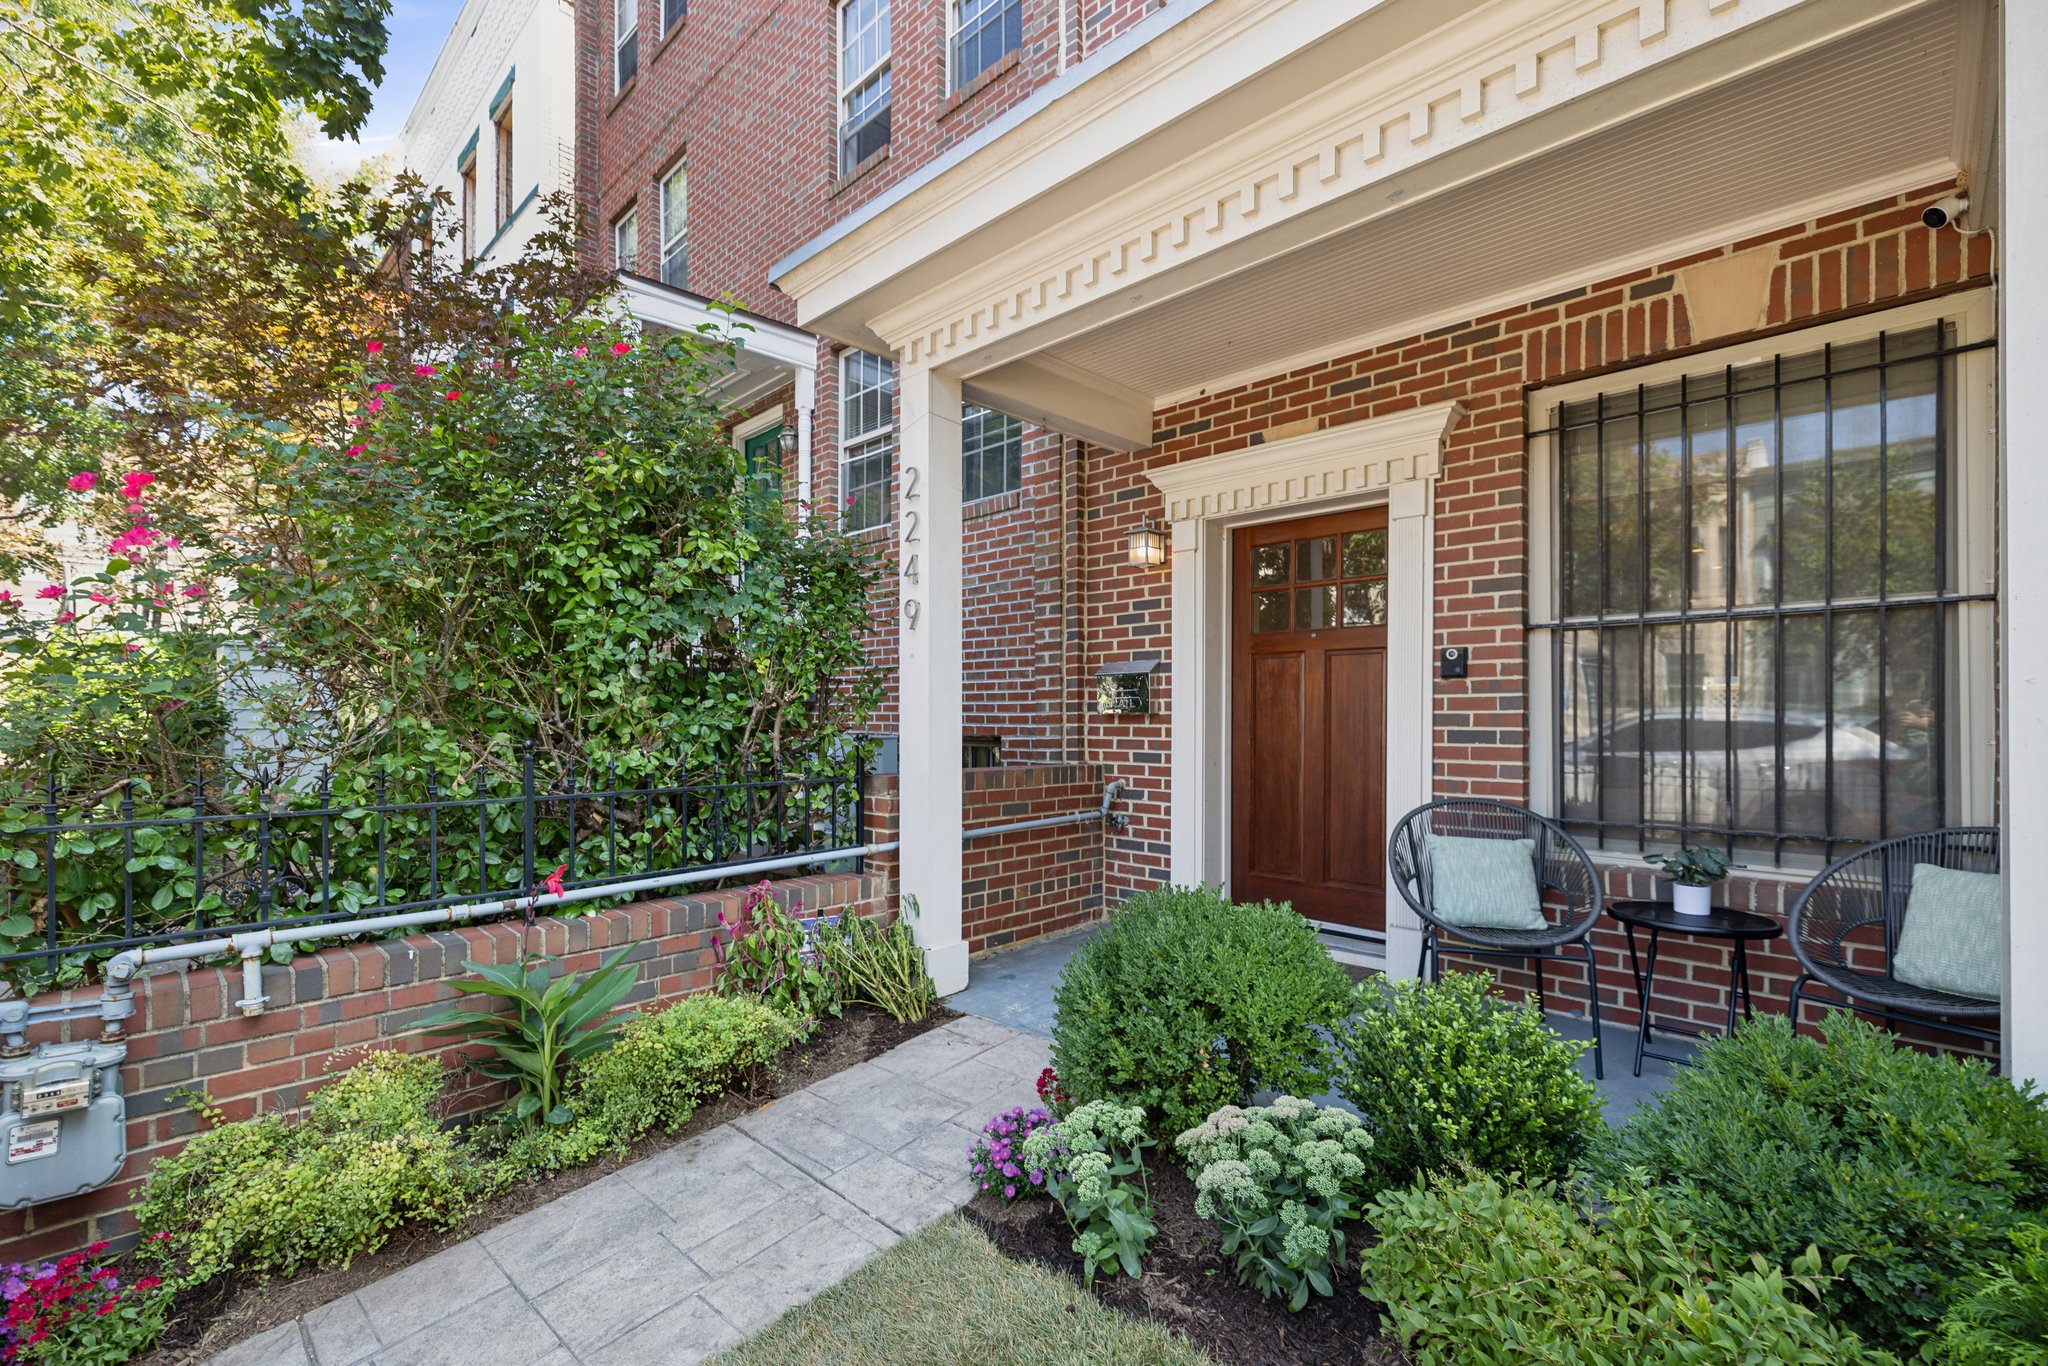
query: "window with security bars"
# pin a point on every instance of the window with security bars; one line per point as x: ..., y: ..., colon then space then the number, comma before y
x: 991, y: 453
x: 1756, y: 604
x: 867, y: 438
x: 984, y: 32
x: 863, y: 81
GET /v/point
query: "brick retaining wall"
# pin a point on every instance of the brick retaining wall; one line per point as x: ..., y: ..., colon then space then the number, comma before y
x: 187, y: 1033
x: 1035, y: 882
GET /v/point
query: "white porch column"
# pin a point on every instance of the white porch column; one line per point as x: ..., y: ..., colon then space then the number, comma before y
x: 2023, y: 620
x: 1411, y: 612
x: 1195, y: 845
x: 806, y: 403
x: 928, y: 673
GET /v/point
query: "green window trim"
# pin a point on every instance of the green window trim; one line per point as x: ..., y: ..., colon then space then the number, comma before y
x: 506, y: 226
x: 466, y: 158
x: 504, y: 92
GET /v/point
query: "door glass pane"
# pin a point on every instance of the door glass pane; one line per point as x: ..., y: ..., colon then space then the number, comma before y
x: 1315, y: 608
x: 1269, y: 564
x: 1269, y: 611
x: 1365, y: 604
x: 1316, y: 559
x: 1365, y: 552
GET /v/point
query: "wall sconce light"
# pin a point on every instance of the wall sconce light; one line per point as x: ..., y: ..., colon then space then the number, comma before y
x: 1148, y: 545
x: 787, y: 440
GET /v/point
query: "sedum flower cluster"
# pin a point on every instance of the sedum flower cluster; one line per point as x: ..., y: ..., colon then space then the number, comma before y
x: 1095, y: 1167
x: 1283, y: 1179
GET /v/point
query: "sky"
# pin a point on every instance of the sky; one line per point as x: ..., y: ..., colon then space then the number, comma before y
x: 417, y: 28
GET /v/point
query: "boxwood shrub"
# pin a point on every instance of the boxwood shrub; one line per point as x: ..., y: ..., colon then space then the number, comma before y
x: 1919, y: 1168
x: 1186, y: 1002
x: 1452, y: 1078
x: 1476, y: 1271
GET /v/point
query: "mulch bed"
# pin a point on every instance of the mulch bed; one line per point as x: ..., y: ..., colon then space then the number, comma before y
x: 212, y: 1318
x: 1189, y: 1286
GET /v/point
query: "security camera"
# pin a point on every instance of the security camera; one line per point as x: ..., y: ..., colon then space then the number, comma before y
x: 1942, y: 212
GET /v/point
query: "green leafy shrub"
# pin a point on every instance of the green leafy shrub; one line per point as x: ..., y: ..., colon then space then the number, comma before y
x: 1475, y: 1270
x: 1186, y: 1002
x: 1283, y: 1180
x: 1917, y: 1167
x: 1448, y: 1076
x: 1089, y: 1159
x: 766, y: 954
x: 662, y: 1067
x: 554, y: 1024
x: 2001, y: 1316
x: 880, y: 967
x: 270, y: 1196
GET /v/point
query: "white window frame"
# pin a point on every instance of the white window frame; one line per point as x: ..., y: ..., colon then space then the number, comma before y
x: 1974, y: 460
x: 627, y: 223
x: 625, y: 29
x: 850, y: 439
x: 953, y: 27
x: 675, y: 237
x: 849, y: 85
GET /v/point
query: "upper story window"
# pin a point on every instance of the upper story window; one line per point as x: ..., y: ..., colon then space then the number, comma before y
x: 625, y: 42
x: 1769, y: 599
x: 502, y: 121
x: 675, y: 227
x: 867, y: 437
x: 983, y: 32
x: 673, y: 13
x: 991, y: 453
x: 863, y: 81
x: 469, y: 208
x: 626, y: 241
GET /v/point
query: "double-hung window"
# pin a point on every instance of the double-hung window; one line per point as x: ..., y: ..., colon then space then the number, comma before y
x: 502, y: 121
x: 626, y: 240
x: 867, y: 438
x: 1767, y: 618
x: 982, y: 33
x: 625, y: 42
x: 675, y: 227
x: 469, y: 206
x: 673, y: 12
x: 991, y: 453
x: 863, y: 81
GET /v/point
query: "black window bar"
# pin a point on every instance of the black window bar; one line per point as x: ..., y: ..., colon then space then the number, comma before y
x: 1793, y: 521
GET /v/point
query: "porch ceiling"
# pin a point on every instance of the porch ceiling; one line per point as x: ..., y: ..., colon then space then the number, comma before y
x: 1872, y: 114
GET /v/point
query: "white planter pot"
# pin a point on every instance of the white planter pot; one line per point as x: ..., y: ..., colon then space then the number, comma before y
x: 1691, y: 900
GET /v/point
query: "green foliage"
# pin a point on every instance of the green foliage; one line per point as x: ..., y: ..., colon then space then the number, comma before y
x: 1917, y: 1167
x: 1089, y: 1159
x: 765, y: 954
x: 269, y: 1196
x: 880, y: 967
x: 2000, y: 1317
x: 654, y: 1077
x: 1448, y: 1076
x: 1475, y: 1270
x: 1700, y: 867
x: 554, y: 1024
x: 1186, y: 1002
x: 1283, y: 1180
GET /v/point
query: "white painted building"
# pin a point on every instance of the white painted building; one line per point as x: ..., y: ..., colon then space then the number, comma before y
x: 496, y: 124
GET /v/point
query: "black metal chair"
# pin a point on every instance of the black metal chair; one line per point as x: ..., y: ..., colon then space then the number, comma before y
x: 1567, y: 883
x: 1845, y: 930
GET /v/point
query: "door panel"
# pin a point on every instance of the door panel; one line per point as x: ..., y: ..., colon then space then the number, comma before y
x: 1308, y: 673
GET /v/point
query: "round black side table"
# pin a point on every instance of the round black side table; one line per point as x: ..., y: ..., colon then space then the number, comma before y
x: 1659, y: 918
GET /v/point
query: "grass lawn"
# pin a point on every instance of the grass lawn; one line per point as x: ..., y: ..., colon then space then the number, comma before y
x: 946, y: 1296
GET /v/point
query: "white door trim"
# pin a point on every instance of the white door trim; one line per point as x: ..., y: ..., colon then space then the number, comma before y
x: 1392, y: 460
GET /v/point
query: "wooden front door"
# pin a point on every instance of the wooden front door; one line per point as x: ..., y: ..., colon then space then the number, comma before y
x: 1309, y: 709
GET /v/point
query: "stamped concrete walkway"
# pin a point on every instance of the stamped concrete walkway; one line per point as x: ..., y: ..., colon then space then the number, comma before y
x: 674, y: 1258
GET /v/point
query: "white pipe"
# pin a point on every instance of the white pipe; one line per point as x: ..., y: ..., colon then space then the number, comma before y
x: 123, y: 967
x: 1110, y: 792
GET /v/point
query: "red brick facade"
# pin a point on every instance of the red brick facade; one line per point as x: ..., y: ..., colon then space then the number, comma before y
x: 187, y: 1034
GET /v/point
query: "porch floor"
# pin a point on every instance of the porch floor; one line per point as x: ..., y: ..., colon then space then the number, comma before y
x: 1014, y: 988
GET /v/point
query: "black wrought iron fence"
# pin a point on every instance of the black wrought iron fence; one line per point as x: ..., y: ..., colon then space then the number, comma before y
x: 81, y: 882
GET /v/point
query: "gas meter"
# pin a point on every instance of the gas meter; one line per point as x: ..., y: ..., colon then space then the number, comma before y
x: 63, y: 1121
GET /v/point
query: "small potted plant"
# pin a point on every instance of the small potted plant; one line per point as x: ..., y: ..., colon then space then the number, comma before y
x: 1693, y: 873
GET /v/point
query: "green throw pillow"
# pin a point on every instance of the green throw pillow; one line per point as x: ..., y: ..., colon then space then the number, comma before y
x: 1950, y: 940
x: 1483, y: 884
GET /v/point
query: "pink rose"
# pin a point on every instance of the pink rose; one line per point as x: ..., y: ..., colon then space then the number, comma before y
x: 195, y: 590
x: 375, y: 405
x: 452, y: 395
x: 134, y: 482
x: 422, y: 371
x: 580, y: 352
x: 373, y: 347
x: 383, y: 388
x: 66, y: 618
x: 353, y: 451
x: 621, y: 348
x: 82, y: 481
x: 54, y: 590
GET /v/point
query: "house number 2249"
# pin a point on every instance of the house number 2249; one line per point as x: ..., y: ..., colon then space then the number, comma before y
x: 912, y: 535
